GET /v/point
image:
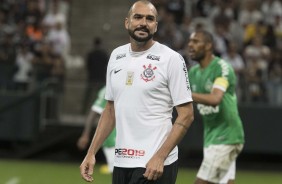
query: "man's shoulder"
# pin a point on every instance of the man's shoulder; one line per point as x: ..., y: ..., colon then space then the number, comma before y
x: 220, y: 61
x: 194, y: 67
x: 165, y: 49
x: 120, y: 52
x: 124, y: 47
x: 168, y: 53
x: 223, y: 64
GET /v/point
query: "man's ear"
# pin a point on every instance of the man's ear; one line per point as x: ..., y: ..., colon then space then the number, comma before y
x: 126, y: 23
x: 209, y: 46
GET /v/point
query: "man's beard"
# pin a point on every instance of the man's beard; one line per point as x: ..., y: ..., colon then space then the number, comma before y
x: 198, y: 57
x: 140, y: 39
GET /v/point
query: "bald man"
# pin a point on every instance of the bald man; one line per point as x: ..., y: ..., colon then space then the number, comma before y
x: 145, y: 80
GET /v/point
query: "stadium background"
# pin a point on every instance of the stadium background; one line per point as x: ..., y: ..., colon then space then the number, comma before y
x: 43, y: 124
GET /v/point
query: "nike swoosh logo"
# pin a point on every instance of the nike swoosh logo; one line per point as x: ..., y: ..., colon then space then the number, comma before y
x: 116, y: 71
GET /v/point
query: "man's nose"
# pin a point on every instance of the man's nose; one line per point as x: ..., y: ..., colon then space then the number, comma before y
x: 143, y: 21
x: 189, y: 44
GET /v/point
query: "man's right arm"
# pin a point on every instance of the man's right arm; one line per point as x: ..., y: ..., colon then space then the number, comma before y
x: 105, y: 126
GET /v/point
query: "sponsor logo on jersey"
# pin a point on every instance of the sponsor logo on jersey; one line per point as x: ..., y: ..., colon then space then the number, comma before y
x: 207, y: 110
x: 116, y: 71
x: 208, y: 85
x: 224, y: 68
x: 119, y: 56
x: 186, y: 75
x: 153, y: 57
x: 148, y: 73
x: 129, y: 153
x: 129, y: 78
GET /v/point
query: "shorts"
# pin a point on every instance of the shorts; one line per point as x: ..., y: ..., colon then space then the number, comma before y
x: 219, y: 163
x: 135, y: 175
x: 109, y: 153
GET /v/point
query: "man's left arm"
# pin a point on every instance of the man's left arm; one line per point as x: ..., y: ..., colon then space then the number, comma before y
x: 154, y: 168
x: 213, y: 98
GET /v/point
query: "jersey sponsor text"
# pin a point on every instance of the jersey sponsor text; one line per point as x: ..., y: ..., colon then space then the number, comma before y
x: 129, y: 153
x: 206, y: 109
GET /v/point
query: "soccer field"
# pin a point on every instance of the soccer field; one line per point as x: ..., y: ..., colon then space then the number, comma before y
x: 40, y: 172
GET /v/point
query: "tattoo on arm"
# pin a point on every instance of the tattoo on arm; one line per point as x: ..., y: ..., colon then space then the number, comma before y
x: 182, y: 125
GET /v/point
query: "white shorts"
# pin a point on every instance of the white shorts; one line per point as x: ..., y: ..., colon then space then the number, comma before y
x: 219, y: 163
x: 109, y: 153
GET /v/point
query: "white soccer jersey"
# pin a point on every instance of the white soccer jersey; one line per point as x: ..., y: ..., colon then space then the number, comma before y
x: 144, y: 87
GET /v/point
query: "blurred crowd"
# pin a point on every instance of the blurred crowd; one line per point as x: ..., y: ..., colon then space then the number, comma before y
x: 34, y: 43
x: 247, y: 33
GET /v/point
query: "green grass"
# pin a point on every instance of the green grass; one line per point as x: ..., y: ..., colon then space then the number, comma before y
x: 39, y: 172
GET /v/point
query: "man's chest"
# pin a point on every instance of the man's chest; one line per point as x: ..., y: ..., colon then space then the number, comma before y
x: 140, y: 74
x: 202, y: 81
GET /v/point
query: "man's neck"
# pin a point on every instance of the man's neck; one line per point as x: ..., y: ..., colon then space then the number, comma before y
x: 141, y: 46
x: 207, y: 60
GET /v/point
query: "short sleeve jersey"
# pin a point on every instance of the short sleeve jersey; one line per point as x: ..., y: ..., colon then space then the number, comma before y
x: 98, y: 106
x: 144, y: 87
x: 222, y: 123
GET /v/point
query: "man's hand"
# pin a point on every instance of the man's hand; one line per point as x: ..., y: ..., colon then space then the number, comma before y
x: 154, y: 168
x: 87, y: 167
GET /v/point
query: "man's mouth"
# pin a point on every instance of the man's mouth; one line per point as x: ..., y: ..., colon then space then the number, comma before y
x: 142, y: 30
x: 191, y: 51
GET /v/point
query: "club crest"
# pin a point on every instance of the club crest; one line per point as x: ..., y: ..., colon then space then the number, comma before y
x: 148, y: 73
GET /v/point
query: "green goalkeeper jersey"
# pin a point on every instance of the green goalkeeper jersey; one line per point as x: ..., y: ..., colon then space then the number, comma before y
x: 222, y: 123
x: 98, y: 106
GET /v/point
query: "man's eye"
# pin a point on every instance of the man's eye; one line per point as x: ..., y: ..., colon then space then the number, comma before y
x: 138, y: 17
x: 150, y: 18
